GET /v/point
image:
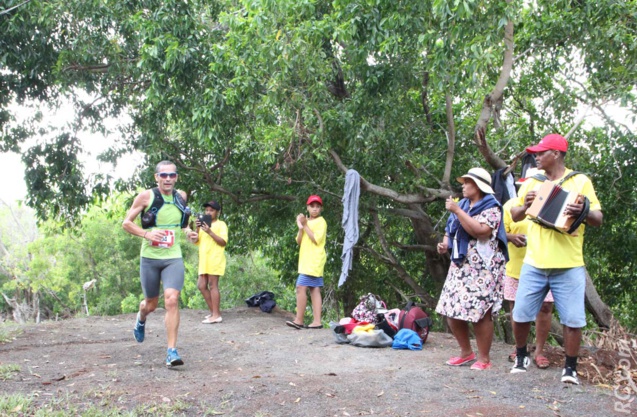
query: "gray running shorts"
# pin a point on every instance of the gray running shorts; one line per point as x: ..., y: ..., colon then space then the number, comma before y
x: 168, y: 272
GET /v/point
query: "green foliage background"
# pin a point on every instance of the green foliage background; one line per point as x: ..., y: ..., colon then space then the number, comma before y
x: 253, y: 98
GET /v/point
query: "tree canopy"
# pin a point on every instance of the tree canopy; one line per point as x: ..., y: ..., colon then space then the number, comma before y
x: 264, y: 102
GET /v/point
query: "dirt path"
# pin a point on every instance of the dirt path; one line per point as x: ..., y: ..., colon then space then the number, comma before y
x: 254, y: 365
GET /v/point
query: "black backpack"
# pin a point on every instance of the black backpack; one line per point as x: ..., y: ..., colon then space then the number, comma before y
x: 264, y: 300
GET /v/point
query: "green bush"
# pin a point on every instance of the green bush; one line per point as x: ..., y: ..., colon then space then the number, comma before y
x: 130, y: 304
x: 245, y: 275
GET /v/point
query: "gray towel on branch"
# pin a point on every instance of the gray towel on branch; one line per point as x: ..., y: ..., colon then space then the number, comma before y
x: 350, y: 221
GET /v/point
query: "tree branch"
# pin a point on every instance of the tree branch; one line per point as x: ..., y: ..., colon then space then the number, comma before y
x: 424, y: 98
x: 451, y: 140
x: 430, y: 193
x: 14, y: 7
x: 491, y: 99
x: 426, y: 298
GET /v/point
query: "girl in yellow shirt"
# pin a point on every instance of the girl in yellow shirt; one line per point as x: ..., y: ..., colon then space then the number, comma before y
x: 312, y: 257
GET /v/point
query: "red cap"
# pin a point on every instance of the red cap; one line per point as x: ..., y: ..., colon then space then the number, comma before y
x: 314, y: 198
x: 552, y: 142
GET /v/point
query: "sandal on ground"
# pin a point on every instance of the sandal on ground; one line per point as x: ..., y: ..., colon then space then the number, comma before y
x: 481, y: 366
x: 320, y: 326
x: 541, y: 361
x: 458, y: 361
x: 294, y: 325
x: 208, y: 321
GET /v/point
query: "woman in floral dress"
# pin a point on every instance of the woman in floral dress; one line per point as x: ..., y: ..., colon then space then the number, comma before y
x: 474, y: 285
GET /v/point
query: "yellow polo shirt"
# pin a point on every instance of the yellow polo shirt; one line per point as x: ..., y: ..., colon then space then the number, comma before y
x: 516, y: 255
x: 547, y: 248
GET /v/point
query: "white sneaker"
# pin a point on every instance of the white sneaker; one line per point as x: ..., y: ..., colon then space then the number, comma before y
x: 521, y: 364
x: 570, y: 376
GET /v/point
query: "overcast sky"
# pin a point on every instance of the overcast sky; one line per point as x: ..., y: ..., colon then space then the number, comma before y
x: 12, y: 168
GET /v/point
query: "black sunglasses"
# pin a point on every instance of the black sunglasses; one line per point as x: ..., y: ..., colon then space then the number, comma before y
x: 167, y: 174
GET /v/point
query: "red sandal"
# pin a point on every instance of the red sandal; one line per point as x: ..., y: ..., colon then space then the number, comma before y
x: 458, y: 361
x: 541, y: 361
x: 481, y: 366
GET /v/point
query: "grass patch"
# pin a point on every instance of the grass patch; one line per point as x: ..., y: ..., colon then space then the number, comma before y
x: 7, y: 371
x: 23, y: 405
x: 8, y: 333
x: 15, y: 405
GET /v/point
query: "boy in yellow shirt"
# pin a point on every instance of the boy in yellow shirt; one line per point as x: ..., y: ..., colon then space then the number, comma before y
x: 516, y: 236
x: 212, y: 240
x: 312, y: 257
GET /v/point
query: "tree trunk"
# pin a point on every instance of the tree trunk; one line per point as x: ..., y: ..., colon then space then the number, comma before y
x: 601, y: 312
x: 20, y: 311
x: 557, y: 331
x: 36, y: 306
x: 437, y: 265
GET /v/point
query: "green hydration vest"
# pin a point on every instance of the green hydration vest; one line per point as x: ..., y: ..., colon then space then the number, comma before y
x: 170, y: 214
x: 149, y: 216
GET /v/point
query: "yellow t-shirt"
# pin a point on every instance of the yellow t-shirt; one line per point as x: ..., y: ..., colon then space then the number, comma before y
x: 212, y: 257
x: 312, y: 257
x: 516, y: 255
x: 547, y: 248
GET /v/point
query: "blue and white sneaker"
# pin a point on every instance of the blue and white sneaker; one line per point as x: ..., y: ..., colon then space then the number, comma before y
x: 173, y: 358
x: 139, y: 330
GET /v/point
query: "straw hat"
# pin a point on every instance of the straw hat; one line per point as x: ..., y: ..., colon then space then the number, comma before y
x: 481, y: 177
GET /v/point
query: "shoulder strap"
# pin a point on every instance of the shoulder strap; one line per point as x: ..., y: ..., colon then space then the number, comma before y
x: 408, y: 307
x: 149, y: 216
x: 542, y: 177
x: 569, y: 175
x: 179, y: 201
x: 158, y: 201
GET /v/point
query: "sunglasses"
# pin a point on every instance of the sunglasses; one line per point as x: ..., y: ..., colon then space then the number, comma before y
x: 167, y: 174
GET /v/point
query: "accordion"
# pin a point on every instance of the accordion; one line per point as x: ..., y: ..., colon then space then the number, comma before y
x: 549, y: 206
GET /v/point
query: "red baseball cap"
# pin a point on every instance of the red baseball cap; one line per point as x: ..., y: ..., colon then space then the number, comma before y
x: 552, y: 142
x: 314, y: 198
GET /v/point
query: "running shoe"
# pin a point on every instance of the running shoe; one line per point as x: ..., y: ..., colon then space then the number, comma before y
x: 570, y: 376
x: 521, y: 364
x: 139, y: 330
x: 173, y: 358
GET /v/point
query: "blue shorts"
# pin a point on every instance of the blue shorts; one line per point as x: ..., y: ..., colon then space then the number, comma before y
x: 168, y: 272
x: 309, y: 281
x: 568, y: 286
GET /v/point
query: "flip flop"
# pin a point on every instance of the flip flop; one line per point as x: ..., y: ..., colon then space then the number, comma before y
x: 512, y: 356
x: 541, y: 361
x: 459, y: 360
x: 208, y: 321
x: 315, y: 327
x: 294, y: 325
